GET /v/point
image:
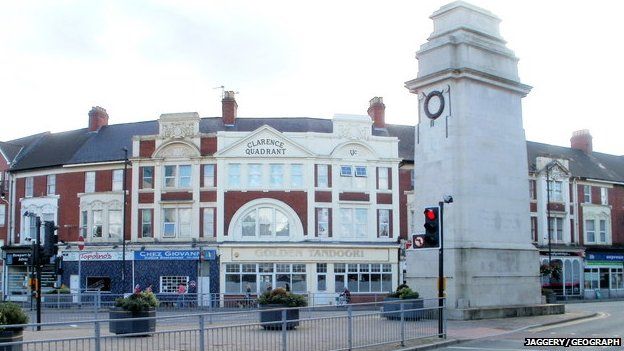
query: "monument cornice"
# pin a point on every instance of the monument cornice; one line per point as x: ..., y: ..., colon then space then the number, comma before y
x: 467, y: 73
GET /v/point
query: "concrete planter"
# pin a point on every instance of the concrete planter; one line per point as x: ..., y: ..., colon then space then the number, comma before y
x: 10, y: 336
x: 393, y: 310
x: 551, y: 298
x: 123, y: 323
x: 292, y: 317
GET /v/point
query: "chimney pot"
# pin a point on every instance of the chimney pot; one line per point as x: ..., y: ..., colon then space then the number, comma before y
x: 582, y: 140
x: 229, y: 107
x: 377, y: 112
x: 98, y: 117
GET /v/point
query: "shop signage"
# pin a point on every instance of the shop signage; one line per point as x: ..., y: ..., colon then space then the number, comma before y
x: 559, y: 254
x: 603, y: 256
x: 310, y: 254
x: 90, y: 256
x: 210, y: 255
x: 18, y: 258
x: 159, y: 255
x: 265, y: 147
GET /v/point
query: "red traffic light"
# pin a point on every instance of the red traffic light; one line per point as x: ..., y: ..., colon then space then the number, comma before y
x: 430, y: 214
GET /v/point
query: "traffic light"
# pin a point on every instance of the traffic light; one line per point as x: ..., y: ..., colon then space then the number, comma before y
x: 50, y: 246
x: 432, y: 227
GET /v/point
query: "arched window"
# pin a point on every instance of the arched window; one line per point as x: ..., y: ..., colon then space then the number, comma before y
x: 266, y: 219
x: 265, y: 222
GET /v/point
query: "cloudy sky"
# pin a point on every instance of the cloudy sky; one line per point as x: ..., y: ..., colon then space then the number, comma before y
x: 139, y: 59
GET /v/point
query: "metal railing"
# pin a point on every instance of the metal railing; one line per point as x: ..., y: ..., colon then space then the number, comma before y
x: 328, y: 328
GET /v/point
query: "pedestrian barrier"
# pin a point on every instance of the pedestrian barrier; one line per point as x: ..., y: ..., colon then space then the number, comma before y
x: 327, y: 328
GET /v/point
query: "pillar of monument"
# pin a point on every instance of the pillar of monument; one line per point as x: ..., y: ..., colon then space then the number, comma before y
x: 470, y: 144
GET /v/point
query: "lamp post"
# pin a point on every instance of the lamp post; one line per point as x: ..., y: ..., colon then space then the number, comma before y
x: 123, y: 220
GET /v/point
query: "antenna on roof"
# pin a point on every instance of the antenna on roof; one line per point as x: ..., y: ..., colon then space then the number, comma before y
x: 222, y: 87
x: 222, y: 90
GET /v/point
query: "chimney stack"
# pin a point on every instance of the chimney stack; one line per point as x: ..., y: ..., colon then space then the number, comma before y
x: 582, y: 140
x: 97, y: 118
x: 229, y: 107
x: 377, y: 112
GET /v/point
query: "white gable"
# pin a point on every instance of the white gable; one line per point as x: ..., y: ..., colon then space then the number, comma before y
x: 265, y: 142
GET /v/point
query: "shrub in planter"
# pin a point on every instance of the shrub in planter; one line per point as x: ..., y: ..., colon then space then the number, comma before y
x: 280, y: 298
x: 412, y: 306
x: 11, y: 313
x: 140, y: 304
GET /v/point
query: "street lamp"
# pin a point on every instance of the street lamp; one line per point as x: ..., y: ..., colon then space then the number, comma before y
x: 547, y: 168
x: 123, y: 219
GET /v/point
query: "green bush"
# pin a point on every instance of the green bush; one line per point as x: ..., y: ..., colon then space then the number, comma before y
x: 11, y: 313
x: 280, y: 296
x: 404, y: 292
x: 138, y: 302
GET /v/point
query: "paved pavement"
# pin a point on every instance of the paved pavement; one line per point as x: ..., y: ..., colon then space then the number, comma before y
x: 602, y: 319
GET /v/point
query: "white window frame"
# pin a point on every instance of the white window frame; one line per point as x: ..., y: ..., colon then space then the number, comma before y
x: 322, y: 224
x: 95, y: 225
x: 144, y: 183
x: 254, y: 175
x: 208, y: 218
x: 116, y: 226
x: 602, y: 230
x: 2, y: 215
x: 179, y: 230
x: 322, y: 176
x: 296, y: 175
x: 29, y: 187
x: 258, y: 233
x: 604, y: 196
x: 556, y: 228
x: 361, y: 171
x: 384, y: 214
x: 51, y: 184
x: 276, y: 175
x: 587, y: 194
x: 147, y: 223
x: 177, y: 177
x: 169, y: 283
x: 84, y: 224
x: 209, y: 175
x: 346, y: 171
x: 354, y: 225
x: 234, y: 174
x: 383, y: 180
x: 117, y: 183
x: 90, y: 182
x: 556, y: 191
x: 587, y: 231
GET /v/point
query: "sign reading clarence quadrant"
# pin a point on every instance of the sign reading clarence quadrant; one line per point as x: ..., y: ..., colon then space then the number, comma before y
x: 265, y: 146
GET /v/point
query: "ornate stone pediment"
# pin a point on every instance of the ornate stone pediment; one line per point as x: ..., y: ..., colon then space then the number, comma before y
x: 179, y: 125
x: 352, y: 127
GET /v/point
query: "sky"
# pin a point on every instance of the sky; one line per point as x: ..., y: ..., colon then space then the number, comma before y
x: 139, y: 59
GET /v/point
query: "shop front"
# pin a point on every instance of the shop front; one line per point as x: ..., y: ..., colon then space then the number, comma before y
x: 320, y: 271
x: 604, y: 274
x: 568, y: 284
x: 162, y: 270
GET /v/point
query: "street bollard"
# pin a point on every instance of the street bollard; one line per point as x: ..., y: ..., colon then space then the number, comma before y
x: 402, y: 326
x: 350, y: 327
x: 202, y: 330
x: 284, y: 331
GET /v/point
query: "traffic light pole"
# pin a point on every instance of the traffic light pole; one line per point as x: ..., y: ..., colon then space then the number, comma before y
x: 441, y: 274
x: 37, y: 264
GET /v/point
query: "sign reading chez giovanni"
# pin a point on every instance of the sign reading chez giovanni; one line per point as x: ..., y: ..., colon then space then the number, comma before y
x: 266, y: 146
x: 310, y: 254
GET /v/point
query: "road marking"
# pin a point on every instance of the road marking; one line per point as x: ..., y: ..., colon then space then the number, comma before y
x: 600, y: 315
x: 484, y: 348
